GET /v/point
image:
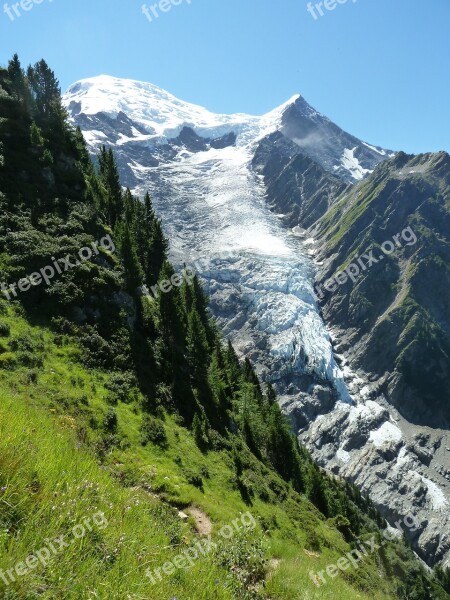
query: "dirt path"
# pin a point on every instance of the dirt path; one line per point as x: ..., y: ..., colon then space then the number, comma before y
x: 202, y: 522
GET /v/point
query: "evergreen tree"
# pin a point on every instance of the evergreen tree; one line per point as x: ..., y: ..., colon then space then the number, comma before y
x: 149, y: 213
x: 46, y: 94
x: 19, y: 84
x: 317, y: 492
x: 157, y: 253
x: 271, y: 394
x: 197, y: 346
x: 133, y: 271
x: 282, y: 448
x: 219, y: 386
x: 251, y: 377
x: 109, y: 175
x: 233, y: 367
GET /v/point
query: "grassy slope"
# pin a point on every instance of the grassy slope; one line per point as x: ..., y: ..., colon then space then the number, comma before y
x: 52, y: 483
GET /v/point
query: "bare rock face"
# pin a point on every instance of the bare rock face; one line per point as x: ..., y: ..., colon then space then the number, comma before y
x: 397, y: 464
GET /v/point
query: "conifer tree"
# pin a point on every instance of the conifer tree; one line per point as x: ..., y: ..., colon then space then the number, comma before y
x: 233, y: 367
x: 149, y: 213
x: 18, y: 82
x: 197, y: 346
x: 251, y: 377
x: 133, y: 271
x: 218, y: 385
x: 282, y: 448
x: 271, y: 394
x: 318, y: 491
x: 46, y: 94
x: 157, y: 253
x: 110, y: 178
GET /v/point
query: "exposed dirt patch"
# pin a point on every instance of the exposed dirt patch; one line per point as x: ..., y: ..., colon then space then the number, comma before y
x: 202, y: 522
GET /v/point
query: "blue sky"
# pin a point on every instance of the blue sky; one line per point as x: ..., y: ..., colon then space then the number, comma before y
x: 378, y: 68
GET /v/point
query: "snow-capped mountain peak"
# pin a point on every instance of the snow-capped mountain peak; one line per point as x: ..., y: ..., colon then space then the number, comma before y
x: 155, y: 117
x: 161, y: 114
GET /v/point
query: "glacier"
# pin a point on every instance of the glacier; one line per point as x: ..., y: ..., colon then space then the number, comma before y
x: 216, y: 198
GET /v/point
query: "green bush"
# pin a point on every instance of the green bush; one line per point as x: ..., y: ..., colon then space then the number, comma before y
x: 110, y: 421
x: 152, y: 430
x: 194, y: 478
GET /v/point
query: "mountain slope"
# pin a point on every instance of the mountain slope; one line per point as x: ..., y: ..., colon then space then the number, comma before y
x: 405, y: 332
x: 327, y: 144
x: 237, y: 193
x: 390, y: 320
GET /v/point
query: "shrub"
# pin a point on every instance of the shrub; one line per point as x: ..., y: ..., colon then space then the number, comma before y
x: 194, y: 478
x: 25, y: 343
x: 110, y: 421
x: 244, y: 557
x: 152, y: 430
x: 122, y: 385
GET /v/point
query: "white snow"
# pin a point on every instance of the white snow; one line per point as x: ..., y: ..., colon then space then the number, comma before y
x: 403, y: 458
x: 351, y: 163
x: 381, y: 152
x: 365, y: 391
x: 435, y: 494
x: 163, y: 115
x: 94, y: 136
x: 218, y: 210
x: 365, y: 412
x: 343, y: 455
x: 385, y: 434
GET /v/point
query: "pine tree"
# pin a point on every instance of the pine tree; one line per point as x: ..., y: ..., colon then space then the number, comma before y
x: 271, y: 394
x: 157, y: 253
x: 200, y: 429
x: 133, y: 272
x: 233, y: 367
x: 218, y: 385
x: 46, y: 94
x: 282, y: 448
x: 317, y: 492
x: 109, y: 175
x: 19, y: 85
x: 251, y: 377
x: 197, y: 346
x: 149, y: 213
x: 129, y: 210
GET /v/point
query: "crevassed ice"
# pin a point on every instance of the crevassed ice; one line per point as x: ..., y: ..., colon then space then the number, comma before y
x: 217, y: 211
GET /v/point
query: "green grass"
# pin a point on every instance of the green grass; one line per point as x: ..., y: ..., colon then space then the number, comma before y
x: 51, y: 411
